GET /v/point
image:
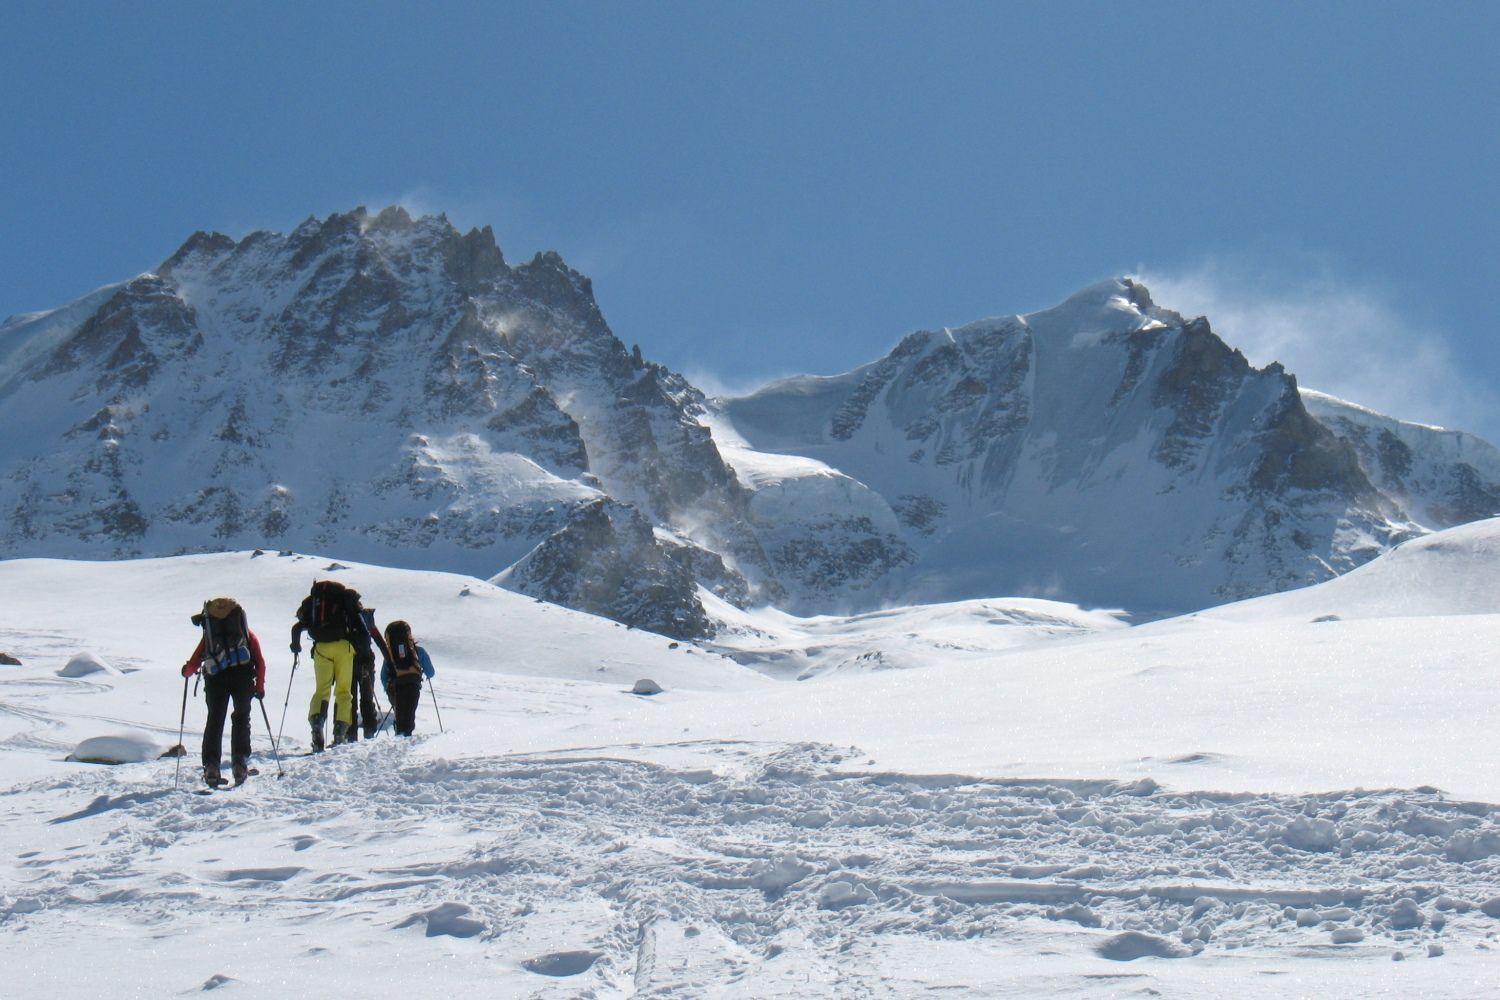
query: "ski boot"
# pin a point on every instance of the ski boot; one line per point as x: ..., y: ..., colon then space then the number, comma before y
x: 340, y: 732
x: 211, y: 776
x: 241, y: 770
x: 317, y: 733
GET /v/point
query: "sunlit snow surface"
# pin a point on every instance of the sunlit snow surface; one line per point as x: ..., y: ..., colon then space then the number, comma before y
x: 994, y: 798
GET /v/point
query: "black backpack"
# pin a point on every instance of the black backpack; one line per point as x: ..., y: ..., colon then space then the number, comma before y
x: 225, y: 635
x: 405, y: 664
x: 325, y: 611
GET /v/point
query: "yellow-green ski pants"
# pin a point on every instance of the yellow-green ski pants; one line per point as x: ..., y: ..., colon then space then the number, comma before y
x: 333, y: 667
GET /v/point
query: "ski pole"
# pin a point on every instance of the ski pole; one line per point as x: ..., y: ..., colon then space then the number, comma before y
x: 369, y: 682
x: 433, y: 691
x: 181, y: 725
x: 295, y: 657
x: 274, y: 752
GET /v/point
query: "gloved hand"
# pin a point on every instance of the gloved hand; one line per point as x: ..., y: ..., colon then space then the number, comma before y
x: 296, y: 647
x: 260, y: 693
x: 187, y: 670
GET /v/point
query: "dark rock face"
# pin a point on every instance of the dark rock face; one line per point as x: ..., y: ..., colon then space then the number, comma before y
x: 1469, y: 497
x: 1441, y: 477
x: 606, y: 561
x: 1298, y: 453
x: 1203, y: 377
x: 839, y: 553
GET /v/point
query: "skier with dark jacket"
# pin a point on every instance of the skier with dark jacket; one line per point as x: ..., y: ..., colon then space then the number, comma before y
x: 402, y: 675
x: 229, y: 656
x: 365, y: 715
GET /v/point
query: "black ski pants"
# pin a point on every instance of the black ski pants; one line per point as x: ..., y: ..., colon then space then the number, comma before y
x: 235, y: 684
x: 404, y: 698
x: 364, y: 697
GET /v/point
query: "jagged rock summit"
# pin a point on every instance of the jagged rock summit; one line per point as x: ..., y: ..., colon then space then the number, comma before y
x: 389, y: 389
x: 378, y: 386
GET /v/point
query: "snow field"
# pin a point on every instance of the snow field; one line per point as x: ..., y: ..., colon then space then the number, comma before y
x: 1288, y: 797
x: 619, y: 877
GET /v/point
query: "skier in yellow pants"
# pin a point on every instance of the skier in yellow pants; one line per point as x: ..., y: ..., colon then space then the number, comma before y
x: 333, y: 666
x: 331, y: 614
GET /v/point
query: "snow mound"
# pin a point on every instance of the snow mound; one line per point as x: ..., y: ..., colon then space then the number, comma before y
x: 86, y: 664
x: 119, y: 748
x: 1131, y: 945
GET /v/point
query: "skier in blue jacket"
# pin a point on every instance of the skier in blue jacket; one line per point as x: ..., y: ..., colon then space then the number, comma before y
x: 401, y: 676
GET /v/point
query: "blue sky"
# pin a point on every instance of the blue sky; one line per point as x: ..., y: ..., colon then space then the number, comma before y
x: 770, y: 188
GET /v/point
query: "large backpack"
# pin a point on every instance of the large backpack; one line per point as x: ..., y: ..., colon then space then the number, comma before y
x: 225, y: 635
x: 405, y: 664
x: 325, y: 611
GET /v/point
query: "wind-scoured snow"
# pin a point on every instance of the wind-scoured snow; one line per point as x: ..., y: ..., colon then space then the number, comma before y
x: 1285, y: 797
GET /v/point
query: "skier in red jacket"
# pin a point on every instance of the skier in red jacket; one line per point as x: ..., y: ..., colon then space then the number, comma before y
x: 226, y: 652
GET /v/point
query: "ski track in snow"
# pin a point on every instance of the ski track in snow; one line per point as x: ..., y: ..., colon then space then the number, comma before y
x: 596, y: 874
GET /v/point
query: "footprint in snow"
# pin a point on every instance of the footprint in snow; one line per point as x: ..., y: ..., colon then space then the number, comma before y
x: 451, y: 919
x: 562, y: 963
x: 262, y: 874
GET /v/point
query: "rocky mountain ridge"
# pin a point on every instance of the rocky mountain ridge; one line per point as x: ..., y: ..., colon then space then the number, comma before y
x: 1108, y: 451
x: 392, y: 390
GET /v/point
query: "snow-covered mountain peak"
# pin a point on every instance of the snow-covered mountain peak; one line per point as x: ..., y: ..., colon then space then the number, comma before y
x: 1117, y: 305
x: 378, y: 384
x: 389, y: 388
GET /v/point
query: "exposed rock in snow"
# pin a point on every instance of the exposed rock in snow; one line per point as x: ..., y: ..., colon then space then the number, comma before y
x: 608, y: 560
